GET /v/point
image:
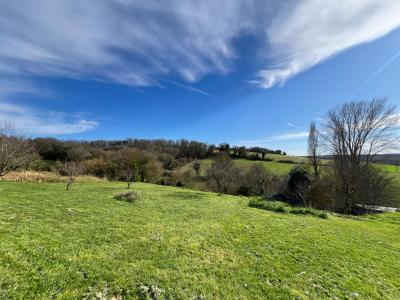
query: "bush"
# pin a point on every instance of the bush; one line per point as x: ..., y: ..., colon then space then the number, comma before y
x: 276, y: 206
x: 299, y: 186
x: 281, y: 207
x: 253, y: 157
x: 370, y: 187
x: 286, y: 161
x: 323, y: 215
x: 42, y: 166
x: 100, y: 167
x: 300, y: 211
x: 128, y: 196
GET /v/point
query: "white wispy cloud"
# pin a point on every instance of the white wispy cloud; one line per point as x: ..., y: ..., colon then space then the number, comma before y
x: 312, y: 31
x: 138, y: 42
x: 292, y: 125
x: 142, y: 43
x: 129, y: 42
x: 39, y: 123
x: 290, y: 136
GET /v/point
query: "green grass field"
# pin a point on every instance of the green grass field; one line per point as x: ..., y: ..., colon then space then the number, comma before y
x: 185, y: 244
x: 279, y: 167
x: 273, y: 166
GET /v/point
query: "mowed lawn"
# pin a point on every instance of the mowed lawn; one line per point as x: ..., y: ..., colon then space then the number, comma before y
x: 182, y: 244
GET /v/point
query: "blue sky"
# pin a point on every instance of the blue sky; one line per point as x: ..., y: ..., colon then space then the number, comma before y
x: 242, y: 72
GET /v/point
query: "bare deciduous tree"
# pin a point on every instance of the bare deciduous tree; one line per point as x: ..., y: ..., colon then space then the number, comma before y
x: 220, y: 172
x: 15, y: 150
x: 129, y: 161
x: 355, y: 133
x: 71, y: 169
x: 313, y: 149
x: 258, y: 179
x: 196, y: 167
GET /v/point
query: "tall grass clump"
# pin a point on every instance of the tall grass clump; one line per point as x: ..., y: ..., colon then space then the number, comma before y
x: 128, y: 196
x: 282, y: 207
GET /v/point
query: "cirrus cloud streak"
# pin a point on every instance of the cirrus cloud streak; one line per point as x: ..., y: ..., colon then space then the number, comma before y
x: 138, y: 42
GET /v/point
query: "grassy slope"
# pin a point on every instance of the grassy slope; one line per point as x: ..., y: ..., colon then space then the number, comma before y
x: 284, y: 168
x: 278, y: 168
x: 188, y: 244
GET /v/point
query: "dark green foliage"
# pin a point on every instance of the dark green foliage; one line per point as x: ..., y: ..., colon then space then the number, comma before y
x: 286, y: 161
x: 168, y: 161
x: 264, y: 151
x: 238, y: 152
x: 268, y: 205
x: 224, y: 147
x: 254, y: 157
x: 299, y: 186
x: 43, y: 165
x: 51, y: 149
x: 179, y: 184
x: 323, y: 215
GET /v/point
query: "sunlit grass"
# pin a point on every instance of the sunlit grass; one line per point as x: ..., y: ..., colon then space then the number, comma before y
x: 186, y: 244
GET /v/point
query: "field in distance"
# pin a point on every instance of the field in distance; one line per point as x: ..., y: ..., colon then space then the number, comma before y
x: 182, y: 244
x: 282, y: 164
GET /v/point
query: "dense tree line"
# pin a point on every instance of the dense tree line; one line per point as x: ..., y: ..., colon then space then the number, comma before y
x: 58, y: 150
x: 352, y: 135
x: 137, y: 159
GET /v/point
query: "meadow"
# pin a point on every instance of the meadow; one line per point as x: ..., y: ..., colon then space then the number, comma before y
x: 277, y: 166
x: 174, y: 243
x: 273, y: 166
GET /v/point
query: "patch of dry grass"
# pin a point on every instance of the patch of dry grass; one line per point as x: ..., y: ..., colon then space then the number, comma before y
x: 33, y: 176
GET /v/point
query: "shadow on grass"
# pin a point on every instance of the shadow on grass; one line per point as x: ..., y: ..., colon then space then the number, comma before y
x: 197, y: 196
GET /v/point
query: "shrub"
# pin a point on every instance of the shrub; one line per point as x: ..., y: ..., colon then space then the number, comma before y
x: 300, y: 211
x: 323, y: 215
x: 309, y: 211
x: 253, y: 157
x: 286, y: 161
x: 128, y: 196
x: 100, y: 167
x: 281, y: 207
x: 276, y: 206
x: 299, y: 186
x: 42, y: 166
